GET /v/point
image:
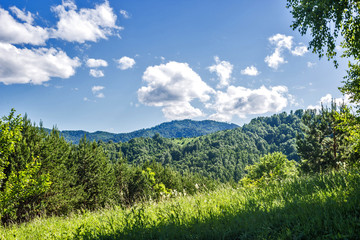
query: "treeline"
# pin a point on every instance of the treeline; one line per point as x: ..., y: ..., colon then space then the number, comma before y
x: 222, y: 155
x: 174, y: 129
x: 43, y: 174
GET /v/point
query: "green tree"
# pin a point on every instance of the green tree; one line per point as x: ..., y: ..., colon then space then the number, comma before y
x: 326, y: 20
x: 350, y: 123
x: 94, y: 175
x: 17, y: 182
x: 321, y: 146
x: 271, y: 167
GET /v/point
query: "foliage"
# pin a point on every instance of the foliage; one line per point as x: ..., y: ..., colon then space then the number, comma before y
x: 222, y: 155
x: 271, y: 167
x: 350, y: 124
x: 320, y: 206
x: 322, y: 146
x: 17, y: 181
x: 10, y: 134
x: 327, y: 20
x: 82, y: 176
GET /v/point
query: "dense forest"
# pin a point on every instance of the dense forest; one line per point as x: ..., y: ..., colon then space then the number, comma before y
x: 174, y: 129
x: 221, y: 155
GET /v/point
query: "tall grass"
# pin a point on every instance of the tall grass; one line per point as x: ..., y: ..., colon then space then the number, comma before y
x: 325, y: 206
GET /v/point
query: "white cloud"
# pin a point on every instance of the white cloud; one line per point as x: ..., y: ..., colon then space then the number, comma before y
x: 93, y: 63
x: 124, y: 13
x: 242, y: 101
x: 125, y: 63
x: 12, y: 31
x: 275, y: 59
x: 96, y: 73
x: 181, y: 111
x: 299, y: 51
x: 292, y: 100
x: 173, y: 86
x: 96, y: 89
x: 250, y: 71
x: 84, y: 24
x: 311, y: 64
x: 100, y: 95
x: 327, y: 99
x: 26, y: 17
x: 281, y: 43
x: 34, y: 66
x: 223, y: 70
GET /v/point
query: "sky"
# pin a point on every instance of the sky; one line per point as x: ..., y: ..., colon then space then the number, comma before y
x: 124, y: 65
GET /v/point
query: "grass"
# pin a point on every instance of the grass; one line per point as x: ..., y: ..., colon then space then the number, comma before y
x: 325, y: 206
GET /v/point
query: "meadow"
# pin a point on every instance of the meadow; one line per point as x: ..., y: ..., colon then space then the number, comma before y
x: 320, y: 206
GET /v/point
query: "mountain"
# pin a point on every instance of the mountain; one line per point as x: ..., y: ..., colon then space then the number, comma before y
x: 221, y: 155
x: 174, y: 129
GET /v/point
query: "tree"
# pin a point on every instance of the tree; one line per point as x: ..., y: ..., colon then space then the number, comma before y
x: 322, y: 145
x: 94, y: 177
x: 273, y: 166
x: 326, y: 20
x: 350, y: 124
x: 17, y: 182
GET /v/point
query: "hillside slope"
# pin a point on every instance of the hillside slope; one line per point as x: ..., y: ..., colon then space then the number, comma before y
x: 222, y: 155
x: 173, y: 129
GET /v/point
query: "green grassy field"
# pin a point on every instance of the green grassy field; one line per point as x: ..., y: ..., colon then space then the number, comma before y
x: 325, y: 206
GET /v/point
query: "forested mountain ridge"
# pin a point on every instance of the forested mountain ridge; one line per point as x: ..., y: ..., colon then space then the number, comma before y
x: 222, y: 155
x: 174, y: 129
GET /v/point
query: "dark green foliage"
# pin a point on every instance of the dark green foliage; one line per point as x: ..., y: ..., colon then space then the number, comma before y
x: 322, y: 147
x: 94, y: 175
x: 222, y: 155
x: 173, y: 129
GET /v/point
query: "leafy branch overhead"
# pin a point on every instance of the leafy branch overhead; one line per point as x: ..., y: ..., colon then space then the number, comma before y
x: 327, y: 21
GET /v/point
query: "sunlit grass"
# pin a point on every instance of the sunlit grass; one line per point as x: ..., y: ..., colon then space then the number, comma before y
x: 324, y: 206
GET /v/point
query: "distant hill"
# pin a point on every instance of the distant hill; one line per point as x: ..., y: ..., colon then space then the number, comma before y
x: 173, y: 129
x: 221, y: 155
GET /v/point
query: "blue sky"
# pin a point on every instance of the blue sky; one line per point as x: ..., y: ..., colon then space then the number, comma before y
x: 119, y: 66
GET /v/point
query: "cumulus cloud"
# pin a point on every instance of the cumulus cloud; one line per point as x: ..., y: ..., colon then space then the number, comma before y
x: 181, y: 111
x: 173, y: 86
x: 34, y: 65
x: 12, y: 31
x: 242, y: 101
x: 223, y: 70
x: 94, y: 63
x: 281, y: 43
x: 84, y: 24
x: 250, y: 71
x: 96, y: 73
x: 327, y: 99
x: 124, y: 13
x: 26, y: 17
x: 299, y: 51
x: 125, y: 63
